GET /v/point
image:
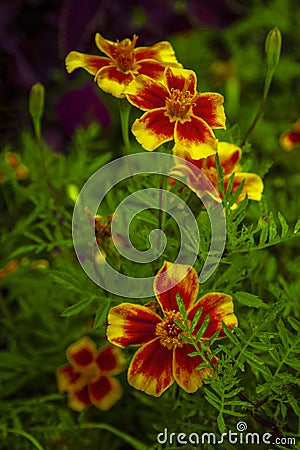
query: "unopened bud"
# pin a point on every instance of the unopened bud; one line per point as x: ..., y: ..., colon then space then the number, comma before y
x: 273, y: 48
x: 36, y: 105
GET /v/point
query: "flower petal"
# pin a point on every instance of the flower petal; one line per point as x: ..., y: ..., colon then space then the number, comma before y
x: 150, y: 369
x: 81, y: 353
x: 181, y: 79
x: 209, y: 107
x: 253, y: 186
x: 153, y: 129
x: 130, y: 324
x: 162, y: 51
x: 105, y: 392
x: 229, y: 156
x: 174, y: 279
x: 106, y: 46
x: 68, y: 379
x: 184, y: 369
x: 145, y: 93
x: 110, y: 360
x: 195, y: 137
x: 78, y: 400
x: 219, y: 307
x: 92, y: 64
x: 151, y: 68
x: 113, y: 81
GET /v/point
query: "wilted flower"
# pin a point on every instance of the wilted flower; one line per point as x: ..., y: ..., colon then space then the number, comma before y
x: 229, y: 157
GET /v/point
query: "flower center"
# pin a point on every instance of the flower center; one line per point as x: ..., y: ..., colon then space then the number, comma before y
x: 179, y: 103
x: 168, y: 331
x: 124, y: 54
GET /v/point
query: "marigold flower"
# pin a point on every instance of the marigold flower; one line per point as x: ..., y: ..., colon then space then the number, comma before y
x: 229, y: 157
x: 89, y: 378
x: 163, y: 355
x: 291, y: 139
x: 123, y: 62
x: 175, y: 110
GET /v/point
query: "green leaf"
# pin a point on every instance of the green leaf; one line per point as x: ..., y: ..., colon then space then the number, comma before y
x: 251, y: 300
x: 196, y: 319
x: 272, y: 228
x: 264, y: 234
x: 230, y: 335
x: 101, y: 314
x: 233, y: 413
x: 282, y: 333
x: 67, y: 281
x: 181, y: 307
x: 78, y: 307
x: 202, y: 328
x: 221, y: 423
x: 237, y: 193
x: 284, y: 225
x: 297, y: 226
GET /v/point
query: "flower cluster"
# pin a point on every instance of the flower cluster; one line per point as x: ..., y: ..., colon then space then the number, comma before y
x: 89, y: 376
x: 152, y: 80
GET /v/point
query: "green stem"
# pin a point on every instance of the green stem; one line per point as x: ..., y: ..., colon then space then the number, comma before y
x: 136, y: 444
x: 26, y: 435
x: 125, y: 108
x: 261, y: 108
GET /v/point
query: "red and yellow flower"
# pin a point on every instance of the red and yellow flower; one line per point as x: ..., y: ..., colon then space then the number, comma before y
x: 163, y: 356
x: 291, y: 138
x: 89, y: 376
x: 229, y: 157
x: 175, y: 110
x: 123, y: 62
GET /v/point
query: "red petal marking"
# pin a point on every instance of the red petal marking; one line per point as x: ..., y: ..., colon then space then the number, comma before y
x: 104, y: 392
x: 113, y: 80
x: 111, y: 360
x: 153, y: 129
x: 229, y: 156
x: 92, y: 64
x: 67, y: 378
x: 151, y: 68
x: 100, y: 388
x: 150, y: 369
x: 146, y: 94
x: 162, y: 51
x: 289, y: 140
x: 130, y: 324
x: 106, y: 46
x: 174, y: 279
x: 79, y: 400
x: 181, y: 79
x: 82, y: 352
x: 184, y: 369
x: 195, y: 137
x: 209, y: 108
x: 219, y: 307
